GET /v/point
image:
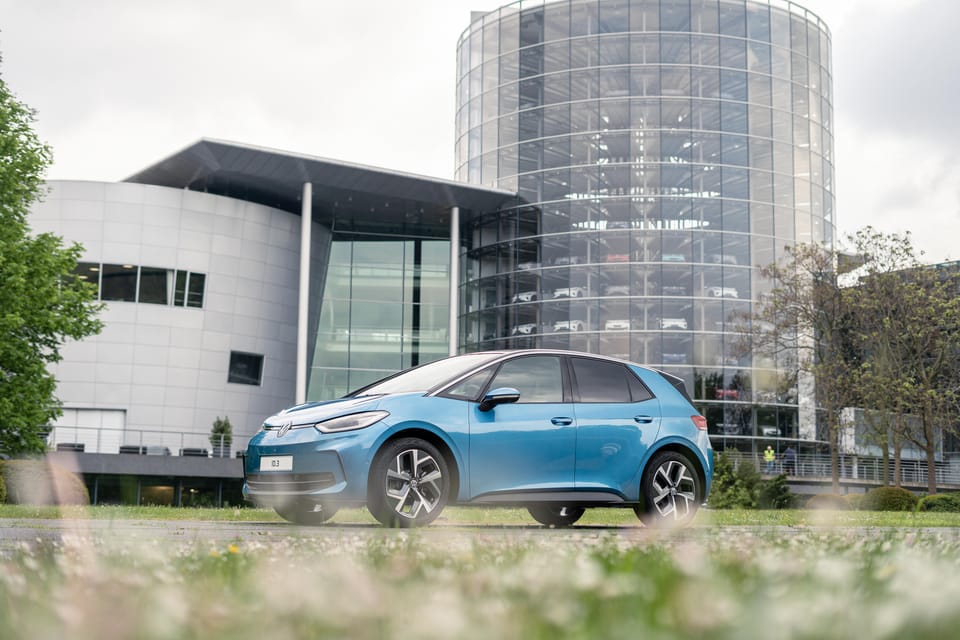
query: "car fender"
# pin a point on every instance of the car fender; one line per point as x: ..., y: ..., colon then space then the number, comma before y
x: 455, y: 441
x: 689, y: 446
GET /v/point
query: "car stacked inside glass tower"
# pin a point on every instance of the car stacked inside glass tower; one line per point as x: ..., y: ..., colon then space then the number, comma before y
x: 663, y: 151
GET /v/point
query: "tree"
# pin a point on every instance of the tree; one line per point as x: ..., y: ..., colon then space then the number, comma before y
x: 221, y: 436
x: 908, y: 334
x: 41, y: 303
x: 803, y: 326
x: 877, y: 302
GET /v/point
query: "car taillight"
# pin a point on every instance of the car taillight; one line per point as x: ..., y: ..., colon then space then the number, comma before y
x: 700, y: 421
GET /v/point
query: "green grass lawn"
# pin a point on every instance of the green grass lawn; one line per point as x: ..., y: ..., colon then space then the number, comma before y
x: 509, y: 516
x: 719, y: 582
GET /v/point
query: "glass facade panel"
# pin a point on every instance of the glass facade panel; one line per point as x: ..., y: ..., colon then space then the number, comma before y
x: 385, y: 307
x: 672, y: 145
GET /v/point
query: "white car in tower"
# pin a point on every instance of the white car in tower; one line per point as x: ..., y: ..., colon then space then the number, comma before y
x: 569, y: 325
x: 673, y: 323
x: 617, y: 324
x: 569, y: 292
x: 524, y: 296
x: 721, y: 292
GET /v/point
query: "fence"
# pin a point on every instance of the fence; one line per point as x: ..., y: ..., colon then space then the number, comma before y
x: 869, y: 469
x: 145, y: 442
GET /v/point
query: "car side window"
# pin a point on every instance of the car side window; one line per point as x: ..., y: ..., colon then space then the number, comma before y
x: 537, y: 378
x: 601, y: 381
x: 470, y: 388
x: 638, y: 390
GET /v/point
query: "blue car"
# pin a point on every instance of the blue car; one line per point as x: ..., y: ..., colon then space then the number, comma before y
x: 556, y: 432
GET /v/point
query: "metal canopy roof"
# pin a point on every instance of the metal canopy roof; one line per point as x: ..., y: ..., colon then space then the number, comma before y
x: 345, y: 195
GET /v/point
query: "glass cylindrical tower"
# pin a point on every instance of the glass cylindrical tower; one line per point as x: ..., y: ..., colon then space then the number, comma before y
x: 662, y: 150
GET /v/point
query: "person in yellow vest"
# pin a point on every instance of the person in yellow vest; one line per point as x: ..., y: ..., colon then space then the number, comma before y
x: 770, y: 457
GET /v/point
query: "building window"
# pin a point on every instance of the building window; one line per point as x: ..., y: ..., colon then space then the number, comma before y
x: 119, y: 282
x: 151, y: 285
x: 189, y: 289
x: 245, y: 368
x: 154, y: 285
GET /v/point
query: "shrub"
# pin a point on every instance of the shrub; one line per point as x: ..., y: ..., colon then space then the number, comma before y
x: 828, y: 501
x: 940, y: 502
x: 775, y: 493
x: 734, y: 488
x: 39, y: 483
x: 888, y: 499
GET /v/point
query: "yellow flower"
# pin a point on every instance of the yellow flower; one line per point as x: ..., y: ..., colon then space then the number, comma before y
x: 233, y: 548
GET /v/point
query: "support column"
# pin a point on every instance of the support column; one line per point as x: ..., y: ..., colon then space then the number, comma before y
x: 306, y: 224
x: 454, y: 280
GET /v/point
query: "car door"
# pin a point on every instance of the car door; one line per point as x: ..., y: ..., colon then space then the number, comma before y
x: 528, y: 445
x: 618, y: 419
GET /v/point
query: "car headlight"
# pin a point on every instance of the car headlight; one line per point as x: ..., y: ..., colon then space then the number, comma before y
x: 351, y: 422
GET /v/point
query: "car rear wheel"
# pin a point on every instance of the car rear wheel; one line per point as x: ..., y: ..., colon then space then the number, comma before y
x: 305, y: 512
x: 551, y: 515
x: 409, y: 483
x: 671, y: 490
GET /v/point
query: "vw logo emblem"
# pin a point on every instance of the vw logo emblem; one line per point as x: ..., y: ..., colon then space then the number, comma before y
x: 284, y: 428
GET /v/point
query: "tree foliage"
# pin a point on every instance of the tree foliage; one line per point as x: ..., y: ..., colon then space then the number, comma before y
x: 908, y: 332
x: 41, y: 304
x: 803, y: 325
x: 884, y: 336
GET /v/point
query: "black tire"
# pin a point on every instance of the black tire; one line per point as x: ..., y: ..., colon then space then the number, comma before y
x: 305, y: 512
x: 671, y: 491
x: 409, y: 483
x: 555, y: 515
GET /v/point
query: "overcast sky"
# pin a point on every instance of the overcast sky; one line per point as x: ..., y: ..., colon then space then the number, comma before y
x: 120, y: 84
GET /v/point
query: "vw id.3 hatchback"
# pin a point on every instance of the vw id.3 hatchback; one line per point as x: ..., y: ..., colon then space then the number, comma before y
x: 556, y: 432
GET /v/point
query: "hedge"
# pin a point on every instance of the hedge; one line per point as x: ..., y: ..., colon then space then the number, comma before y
x: 888, y: 499
x: 37, y: 482
x: 940, y: 502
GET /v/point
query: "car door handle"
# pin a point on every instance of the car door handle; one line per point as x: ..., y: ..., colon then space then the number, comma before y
x: 562, y: 421
x: 643, y: 419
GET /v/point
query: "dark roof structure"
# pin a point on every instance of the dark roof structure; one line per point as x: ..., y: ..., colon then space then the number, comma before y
x: 345, y: 195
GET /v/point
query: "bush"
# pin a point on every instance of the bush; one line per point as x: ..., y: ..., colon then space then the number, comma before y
x: 888, y: 499
x: 37, y: 482
x: 734, y: 488
x: 828, y: 501
x: 940, y: 502
x: 775, y: 493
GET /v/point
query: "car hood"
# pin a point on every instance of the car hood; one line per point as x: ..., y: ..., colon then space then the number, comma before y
x: 313, y: 412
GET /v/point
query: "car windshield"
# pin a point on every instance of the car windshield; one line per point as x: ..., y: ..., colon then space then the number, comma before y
x: 426, y: 377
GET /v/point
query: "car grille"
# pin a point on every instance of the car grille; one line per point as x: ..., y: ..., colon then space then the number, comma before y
x: 289, y: 482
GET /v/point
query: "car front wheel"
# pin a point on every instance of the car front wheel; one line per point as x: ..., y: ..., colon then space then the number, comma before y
x: 409, y: 483
x: 671, y: 491
x: 551, y: 515
x: 305, y: 512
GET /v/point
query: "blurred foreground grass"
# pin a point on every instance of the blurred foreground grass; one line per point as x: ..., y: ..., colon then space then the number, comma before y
x: 503, y: 516
x: 706, y: 582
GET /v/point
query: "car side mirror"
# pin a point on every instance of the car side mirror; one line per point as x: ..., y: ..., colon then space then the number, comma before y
x: 503, y: 395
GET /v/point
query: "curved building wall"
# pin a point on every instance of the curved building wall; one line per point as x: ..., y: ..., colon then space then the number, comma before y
x: 178, y: 355
x: 667, y: 149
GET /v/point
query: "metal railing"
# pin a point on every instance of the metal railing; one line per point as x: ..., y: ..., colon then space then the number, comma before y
x: 145, y: 442
x: 863, y: 468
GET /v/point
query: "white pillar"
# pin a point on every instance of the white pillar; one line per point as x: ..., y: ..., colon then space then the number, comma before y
x: 454, y: 279
x: 306, y: 223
